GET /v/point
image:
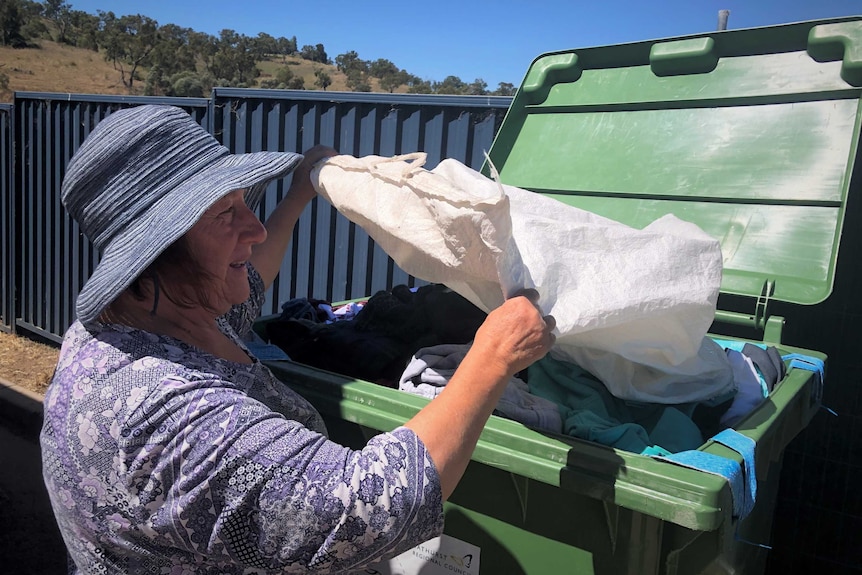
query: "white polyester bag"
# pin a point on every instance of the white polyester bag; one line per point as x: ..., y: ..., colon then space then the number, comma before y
x: 632, y: 306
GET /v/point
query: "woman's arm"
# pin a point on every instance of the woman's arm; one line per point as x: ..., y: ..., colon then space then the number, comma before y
x: 316, y: 505
x: 267, y: 256
x: 511, y: 338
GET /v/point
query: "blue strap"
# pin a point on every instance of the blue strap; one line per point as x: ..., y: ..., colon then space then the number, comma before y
x: 744, y: 446
x: 807, y: 362
x: 818, y: 366
x: 742, y: 479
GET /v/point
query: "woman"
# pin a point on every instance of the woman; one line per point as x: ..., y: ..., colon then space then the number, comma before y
x: 167, y: 448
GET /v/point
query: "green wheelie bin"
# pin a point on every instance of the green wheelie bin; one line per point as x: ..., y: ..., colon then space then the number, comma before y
x: 750, y: 134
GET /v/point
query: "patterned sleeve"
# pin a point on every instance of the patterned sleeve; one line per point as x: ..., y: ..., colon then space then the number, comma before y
x: 242, y: 316
x: 242, y: 484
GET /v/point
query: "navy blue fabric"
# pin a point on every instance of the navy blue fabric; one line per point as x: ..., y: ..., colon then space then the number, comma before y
x: 768, y: 362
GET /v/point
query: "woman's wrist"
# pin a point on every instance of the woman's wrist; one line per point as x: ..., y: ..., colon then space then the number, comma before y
x: 301, y: 189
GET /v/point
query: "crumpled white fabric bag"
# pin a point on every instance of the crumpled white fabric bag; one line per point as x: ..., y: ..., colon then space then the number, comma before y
x: 632, y: 306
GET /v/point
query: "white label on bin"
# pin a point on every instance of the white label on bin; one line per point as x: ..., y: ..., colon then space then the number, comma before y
x: 437, y: 556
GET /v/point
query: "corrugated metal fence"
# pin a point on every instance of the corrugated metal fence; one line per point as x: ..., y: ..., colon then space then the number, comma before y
x: 7, y: 247
x: 47, y: 259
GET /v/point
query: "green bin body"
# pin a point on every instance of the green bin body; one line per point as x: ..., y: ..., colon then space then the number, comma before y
x: 750, y: 134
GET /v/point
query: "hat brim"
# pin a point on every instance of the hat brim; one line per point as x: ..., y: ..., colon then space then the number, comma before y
x: 133, y: 249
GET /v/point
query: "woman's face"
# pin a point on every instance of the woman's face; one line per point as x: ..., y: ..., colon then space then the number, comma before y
x: 221, y: 242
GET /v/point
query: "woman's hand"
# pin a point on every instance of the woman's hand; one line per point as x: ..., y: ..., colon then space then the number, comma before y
x: 301, y: 186
x: 512, y: 337
x: 515, y: 334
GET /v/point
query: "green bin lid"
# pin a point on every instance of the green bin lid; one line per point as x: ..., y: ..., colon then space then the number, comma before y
x: 750, y: 134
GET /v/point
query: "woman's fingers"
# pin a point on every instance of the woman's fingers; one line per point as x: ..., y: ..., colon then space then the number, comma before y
x: 516, y: 334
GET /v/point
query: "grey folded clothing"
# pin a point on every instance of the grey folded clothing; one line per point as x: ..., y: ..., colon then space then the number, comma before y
x: 432, y: 367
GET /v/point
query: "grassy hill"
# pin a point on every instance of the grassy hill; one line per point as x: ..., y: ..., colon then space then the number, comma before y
x: 305, y: 69
x: 57, y: 68
x: 54, y: 67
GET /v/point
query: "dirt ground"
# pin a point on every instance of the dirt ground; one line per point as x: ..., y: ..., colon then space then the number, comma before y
x: 27, y: 363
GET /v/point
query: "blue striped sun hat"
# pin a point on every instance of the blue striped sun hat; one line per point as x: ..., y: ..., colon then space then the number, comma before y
x: 141, y: 179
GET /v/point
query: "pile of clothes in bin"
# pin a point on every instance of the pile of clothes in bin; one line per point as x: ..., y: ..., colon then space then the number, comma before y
x: 413, y: 339
x: 375, y: 340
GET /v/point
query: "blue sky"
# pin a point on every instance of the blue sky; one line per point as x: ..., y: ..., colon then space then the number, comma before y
x: 495, y: 41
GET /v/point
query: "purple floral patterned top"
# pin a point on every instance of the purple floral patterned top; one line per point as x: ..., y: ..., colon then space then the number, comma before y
x: 161, y: 458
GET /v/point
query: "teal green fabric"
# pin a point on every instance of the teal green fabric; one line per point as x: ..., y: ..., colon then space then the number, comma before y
x: 590, y: 412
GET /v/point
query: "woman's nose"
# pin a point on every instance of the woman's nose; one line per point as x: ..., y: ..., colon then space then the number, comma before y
x: 253, y: 230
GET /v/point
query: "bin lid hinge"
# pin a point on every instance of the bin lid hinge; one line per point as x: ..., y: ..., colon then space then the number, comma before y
x: 760, y: 320
x: 760, y: 317
x: 772, y: 326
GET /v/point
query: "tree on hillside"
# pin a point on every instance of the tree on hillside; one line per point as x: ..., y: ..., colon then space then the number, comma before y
x: 283, y: 76
x: 31, y: 10
x: 285, y: 47
x: 83, y: 30
x: 284, y: 79
x: 450, y: 85
x: 32, y: 22
x: 33, y: 29
x: 321, y: 54
x: 416, y: 85
x: 174, y: 53
x: 128, y: 42
x: 264, y: 45
x: 296, y: 83
x: 190, y: 84
x: 381, y: 68
x: 203, y: 46
x: 234, y: 63
x: 60, y: 14
x: 358, y: 72
x: 11, y: 21
x: 172, y: 63
x: 350, y: 62
x: 391, y: 81
x: 357, y: 81
x: 33, y: 26
x: 322, y: 79
x: 157, y: 83
x: 314, y: 54
x: 504, y: 89
x: 479, y: 87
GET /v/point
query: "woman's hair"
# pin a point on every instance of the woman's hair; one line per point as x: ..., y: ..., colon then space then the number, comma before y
x: 176, y: 275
